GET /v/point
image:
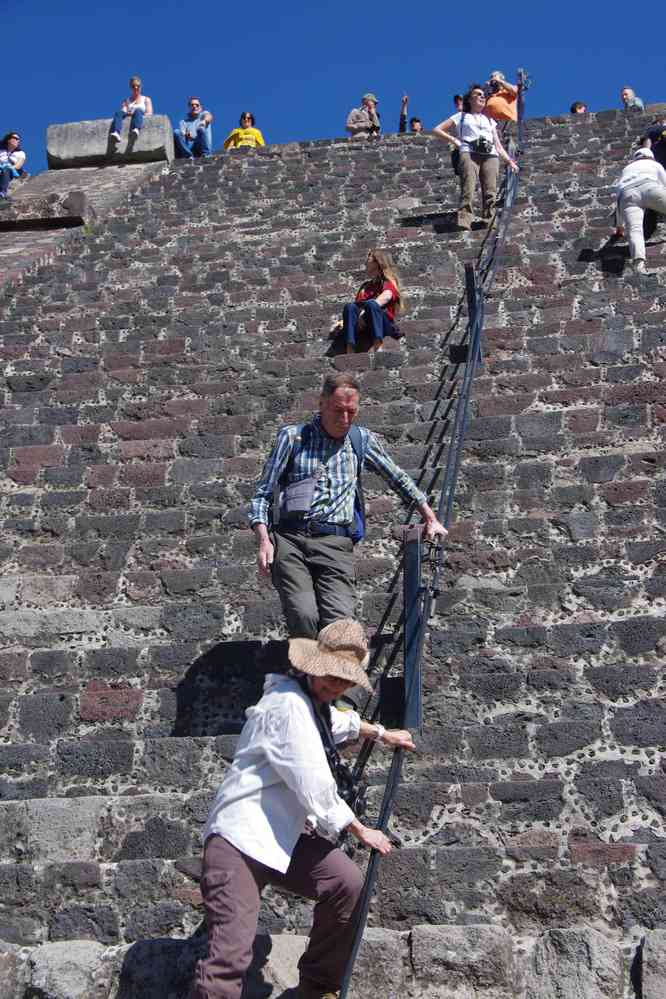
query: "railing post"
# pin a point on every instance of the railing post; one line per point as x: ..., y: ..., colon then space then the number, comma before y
x: 472, y: 294
x: 413, y: 613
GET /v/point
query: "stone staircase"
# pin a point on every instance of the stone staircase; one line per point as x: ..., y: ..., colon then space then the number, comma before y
x: 146, y: 369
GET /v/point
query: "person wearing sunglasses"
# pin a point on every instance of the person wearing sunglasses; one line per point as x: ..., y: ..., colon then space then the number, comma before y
x: 135, y: 107
x: 194, y: 135
x: 245, y: 135
x: 12, y: 159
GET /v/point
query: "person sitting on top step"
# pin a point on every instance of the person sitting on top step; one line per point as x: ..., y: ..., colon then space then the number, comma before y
x: 12, y: 159
x: 363, y: 122
x: 246, y: 135
x: 641, y: 185
x: 135, y: 107
x: 630, y: 102
x: 480, y: 150
x: 578, y: 107
x: 194, y: 135
x: 501, y: 98
x: 313, y: 472
x: 278, y: 815
x: 376, y: 304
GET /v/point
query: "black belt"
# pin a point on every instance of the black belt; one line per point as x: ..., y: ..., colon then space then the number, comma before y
x: 315, y: 528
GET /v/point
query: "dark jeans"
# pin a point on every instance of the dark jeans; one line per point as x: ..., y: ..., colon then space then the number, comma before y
x: 119, y: 116
x: 7, y: 174
x: 231, y: 885
x: 376, y: 319
x: 200, y: 145
x: 315, y: 580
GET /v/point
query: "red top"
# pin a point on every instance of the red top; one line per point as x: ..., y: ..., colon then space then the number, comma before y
x: 373, y: 289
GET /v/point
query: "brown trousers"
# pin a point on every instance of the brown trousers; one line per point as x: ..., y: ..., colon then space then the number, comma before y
x: 231, y: 884
x: 473, y: 168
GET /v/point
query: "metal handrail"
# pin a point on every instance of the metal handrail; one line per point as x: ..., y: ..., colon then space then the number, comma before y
x: 478, y: 281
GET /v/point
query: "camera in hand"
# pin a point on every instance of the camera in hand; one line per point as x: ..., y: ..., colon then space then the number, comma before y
x: 482, y: 146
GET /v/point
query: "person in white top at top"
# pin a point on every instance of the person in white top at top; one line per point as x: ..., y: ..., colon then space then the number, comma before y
x: 475, y: 136
x: 135, y: 107
x: 641, y: 185
x: 277, y: 817
x: 12, y: 159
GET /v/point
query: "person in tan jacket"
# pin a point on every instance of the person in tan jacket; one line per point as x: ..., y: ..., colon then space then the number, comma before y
x: 363, y: 122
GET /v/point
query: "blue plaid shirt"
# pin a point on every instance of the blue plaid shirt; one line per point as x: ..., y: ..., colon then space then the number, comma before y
x: 334, y: 464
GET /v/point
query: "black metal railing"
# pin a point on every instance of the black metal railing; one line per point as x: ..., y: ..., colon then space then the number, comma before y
x: 417, y: 597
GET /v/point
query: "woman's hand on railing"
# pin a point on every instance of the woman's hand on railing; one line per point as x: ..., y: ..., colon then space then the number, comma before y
x: 374, y: 838
x: 398, y: 738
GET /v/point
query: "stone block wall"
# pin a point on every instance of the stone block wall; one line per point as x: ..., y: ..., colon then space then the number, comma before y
x: 145, y: 371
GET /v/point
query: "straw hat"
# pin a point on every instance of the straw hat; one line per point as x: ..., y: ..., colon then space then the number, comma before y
x: 341, y: 650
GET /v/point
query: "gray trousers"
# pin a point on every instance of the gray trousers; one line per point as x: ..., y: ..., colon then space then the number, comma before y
x: 231, y: 885
x: 632, y: 205
x: 315, y: 580
x: 472, y: 169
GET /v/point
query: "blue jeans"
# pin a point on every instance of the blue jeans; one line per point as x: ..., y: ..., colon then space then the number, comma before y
x: 7, y: 174
x: 376, y: 319
x: 136, y: 122
x: 200, y: 145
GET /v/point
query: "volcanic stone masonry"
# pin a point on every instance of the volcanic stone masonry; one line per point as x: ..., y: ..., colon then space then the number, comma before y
x: 150, y: 350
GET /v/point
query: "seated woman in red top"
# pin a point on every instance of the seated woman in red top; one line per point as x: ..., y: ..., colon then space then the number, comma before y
x: 377, y: 302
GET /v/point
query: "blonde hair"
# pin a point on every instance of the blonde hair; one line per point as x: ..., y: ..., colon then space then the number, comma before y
x: 135, y: 79
x: 387, y: 271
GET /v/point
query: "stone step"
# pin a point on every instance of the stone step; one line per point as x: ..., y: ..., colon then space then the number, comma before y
x: 130, y: 871
x: 102, y: 737
x: 485, y: 960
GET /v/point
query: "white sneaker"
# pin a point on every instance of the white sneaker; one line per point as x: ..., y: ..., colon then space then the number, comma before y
x: 116, y: 136
x: 135, y: 132
x: 639, y: 267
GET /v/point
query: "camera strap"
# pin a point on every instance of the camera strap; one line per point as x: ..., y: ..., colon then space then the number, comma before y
x: 341, y: 773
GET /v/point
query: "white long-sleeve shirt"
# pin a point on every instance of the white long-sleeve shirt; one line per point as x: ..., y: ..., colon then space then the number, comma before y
x: 639, y: 172
x: 280, y: 777
x: 15, y: 159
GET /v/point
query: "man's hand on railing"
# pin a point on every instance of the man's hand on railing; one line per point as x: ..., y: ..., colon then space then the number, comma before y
x: 434, y: 530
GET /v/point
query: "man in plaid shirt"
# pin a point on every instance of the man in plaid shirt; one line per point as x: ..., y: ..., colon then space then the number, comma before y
x: 309, y: 554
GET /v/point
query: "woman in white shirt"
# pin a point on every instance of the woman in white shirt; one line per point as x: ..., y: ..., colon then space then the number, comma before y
x: 475, y: 136
x: 136, y: 107
x: 641, y: 185
x: 277, y: 817
x: 12, y: 159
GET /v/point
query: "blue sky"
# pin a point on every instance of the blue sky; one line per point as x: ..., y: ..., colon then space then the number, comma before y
x: 301, y: 67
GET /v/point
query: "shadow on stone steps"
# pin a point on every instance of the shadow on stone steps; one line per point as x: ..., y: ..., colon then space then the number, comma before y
x: 164, y: 969
x: 212, y: 696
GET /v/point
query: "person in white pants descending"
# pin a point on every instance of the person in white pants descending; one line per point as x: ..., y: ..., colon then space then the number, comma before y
x: 641, y: 185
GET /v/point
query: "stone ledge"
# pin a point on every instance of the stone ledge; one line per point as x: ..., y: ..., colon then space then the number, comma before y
x: 88, y: 143
x: 447, y: 962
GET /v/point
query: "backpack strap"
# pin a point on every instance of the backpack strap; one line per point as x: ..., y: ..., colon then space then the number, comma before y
x: 359, y: 447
